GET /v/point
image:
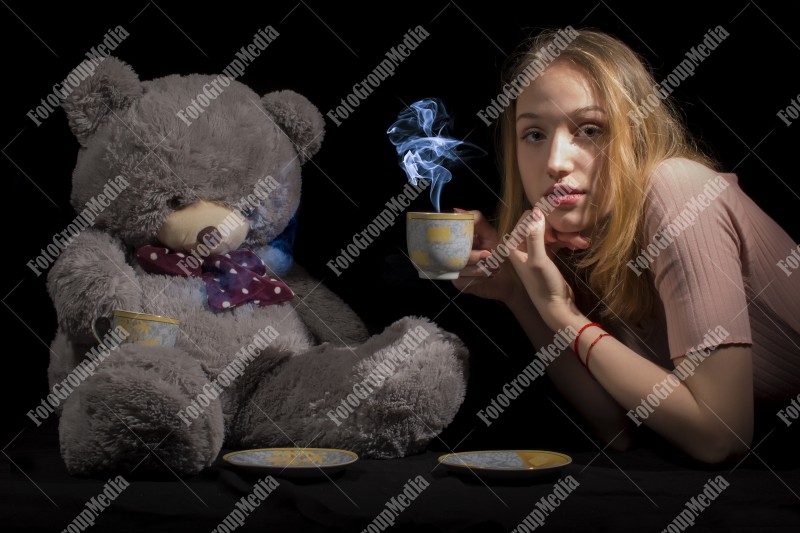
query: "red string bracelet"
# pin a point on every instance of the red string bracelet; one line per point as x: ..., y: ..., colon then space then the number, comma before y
x: 578, y: 336
x: 589, y: 351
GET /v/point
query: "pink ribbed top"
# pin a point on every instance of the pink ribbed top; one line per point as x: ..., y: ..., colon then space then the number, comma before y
x: 716, y: 267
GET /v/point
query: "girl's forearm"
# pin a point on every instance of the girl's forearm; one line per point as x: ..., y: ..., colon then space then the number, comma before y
x: 656, y: 397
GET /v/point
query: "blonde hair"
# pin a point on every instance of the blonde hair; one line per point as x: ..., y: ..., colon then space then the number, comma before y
x: 637, y: 145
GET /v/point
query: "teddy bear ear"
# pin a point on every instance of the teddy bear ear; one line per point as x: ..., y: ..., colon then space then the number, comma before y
x: 113, y: 87
x: 299, y: 119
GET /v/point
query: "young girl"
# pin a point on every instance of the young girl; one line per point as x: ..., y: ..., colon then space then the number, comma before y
x: 665, y: 272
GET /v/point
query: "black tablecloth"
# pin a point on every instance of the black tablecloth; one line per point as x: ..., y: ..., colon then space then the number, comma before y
x: 640, y: 490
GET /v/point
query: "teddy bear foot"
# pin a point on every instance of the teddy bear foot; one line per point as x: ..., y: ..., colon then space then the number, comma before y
x: 419, y: 397
x: 386, y: 398
x: 130, y: 416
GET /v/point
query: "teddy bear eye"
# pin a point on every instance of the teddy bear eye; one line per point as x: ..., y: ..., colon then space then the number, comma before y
x: 175, y: 202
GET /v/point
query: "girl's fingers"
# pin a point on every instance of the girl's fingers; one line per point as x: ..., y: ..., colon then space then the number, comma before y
x: 561, y: 239
x: 520, y: 253
x: 536, y: 245
x: 475, y: 256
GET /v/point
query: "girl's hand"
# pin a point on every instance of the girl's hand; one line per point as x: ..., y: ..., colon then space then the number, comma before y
x: 478, y: 277
x: 556, y: 240
x: 533, y: 262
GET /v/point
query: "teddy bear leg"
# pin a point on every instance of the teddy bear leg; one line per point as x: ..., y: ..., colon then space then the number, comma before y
x: 124, y: 417
x: 386, y: 398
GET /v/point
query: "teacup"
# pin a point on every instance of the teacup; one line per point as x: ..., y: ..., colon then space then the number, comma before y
x: 439, y: 243
x: 148, y: 330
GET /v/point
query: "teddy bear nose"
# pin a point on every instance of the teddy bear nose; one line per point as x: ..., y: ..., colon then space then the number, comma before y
x: 207, y: 236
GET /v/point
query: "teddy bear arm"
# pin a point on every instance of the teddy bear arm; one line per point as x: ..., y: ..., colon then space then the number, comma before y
x: 326, y: 315
x: 90, y: 279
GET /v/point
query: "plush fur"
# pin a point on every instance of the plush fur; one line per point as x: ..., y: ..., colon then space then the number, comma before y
x: 124, y: 414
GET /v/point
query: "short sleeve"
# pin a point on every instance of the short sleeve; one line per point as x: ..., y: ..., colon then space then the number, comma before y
x: 693, y: 247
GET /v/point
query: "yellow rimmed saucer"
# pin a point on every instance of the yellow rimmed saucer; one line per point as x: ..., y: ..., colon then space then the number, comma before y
x: 506, y: 464
x: 304, y: 462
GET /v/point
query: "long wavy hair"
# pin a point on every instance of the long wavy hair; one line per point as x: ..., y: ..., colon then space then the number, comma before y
x: 636, y: 145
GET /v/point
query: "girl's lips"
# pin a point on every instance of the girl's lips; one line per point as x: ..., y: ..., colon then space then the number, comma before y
x: 567, y: 199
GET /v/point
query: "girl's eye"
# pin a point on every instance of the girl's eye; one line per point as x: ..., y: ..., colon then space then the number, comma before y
x: 533, y: 136
x: 591, y: 131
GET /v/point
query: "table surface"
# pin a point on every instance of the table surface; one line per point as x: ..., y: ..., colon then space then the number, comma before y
x: 639, y: 490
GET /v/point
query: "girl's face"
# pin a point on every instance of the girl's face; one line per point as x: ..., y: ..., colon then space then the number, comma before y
x: 561, y: 129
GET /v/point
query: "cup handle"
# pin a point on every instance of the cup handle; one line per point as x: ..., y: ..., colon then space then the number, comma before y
x: 100, y: 326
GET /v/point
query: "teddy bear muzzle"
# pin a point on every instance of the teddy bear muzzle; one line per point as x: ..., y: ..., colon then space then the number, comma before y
x: 204, y: 226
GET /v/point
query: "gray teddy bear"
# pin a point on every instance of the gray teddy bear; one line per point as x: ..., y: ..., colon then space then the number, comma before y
x: 191, y: 182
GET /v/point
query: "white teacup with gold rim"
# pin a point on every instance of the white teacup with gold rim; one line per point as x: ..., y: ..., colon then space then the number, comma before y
x: 142, y: 328
x: 439, y: 243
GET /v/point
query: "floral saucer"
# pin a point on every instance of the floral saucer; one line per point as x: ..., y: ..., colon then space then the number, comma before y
x: 292, y: 461
x: 506, y: 464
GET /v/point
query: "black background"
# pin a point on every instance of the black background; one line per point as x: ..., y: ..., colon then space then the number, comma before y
x: 323, y: 49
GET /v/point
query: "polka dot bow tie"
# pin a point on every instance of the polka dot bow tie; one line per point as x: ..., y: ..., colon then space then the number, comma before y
x: 231, y: 279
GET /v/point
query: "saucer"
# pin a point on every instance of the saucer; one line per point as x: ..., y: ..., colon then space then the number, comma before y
x: 300, y: 462
x: 506, y: 464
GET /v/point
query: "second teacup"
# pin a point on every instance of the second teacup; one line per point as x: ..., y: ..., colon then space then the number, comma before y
x: 149, y: 330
